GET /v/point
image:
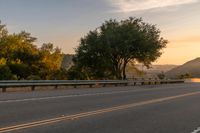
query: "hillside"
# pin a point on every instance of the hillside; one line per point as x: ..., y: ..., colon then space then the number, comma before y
x: 157, y: 68
x: 131, y: 71
x: 192, y: 67
x: 67, y: 61
x: 153, y: 71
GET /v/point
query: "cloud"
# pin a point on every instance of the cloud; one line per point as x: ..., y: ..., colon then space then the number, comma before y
x: 138, y: 5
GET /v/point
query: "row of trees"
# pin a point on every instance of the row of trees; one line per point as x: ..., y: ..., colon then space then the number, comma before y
x: 103, y: 53
x: 20, y: 58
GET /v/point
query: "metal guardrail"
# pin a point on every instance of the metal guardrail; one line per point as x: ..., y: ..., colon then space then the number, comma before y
x: 34, y: 83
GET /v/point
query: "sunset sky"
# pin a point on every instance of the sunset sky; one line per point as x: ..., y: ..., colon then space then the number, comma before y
x: 64, y: 22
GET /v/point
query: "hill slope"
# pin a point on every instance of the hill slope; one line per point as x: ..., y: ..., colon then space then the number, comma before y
x: 67, y: 61
x: 192, y: 67
x: 152, y: 72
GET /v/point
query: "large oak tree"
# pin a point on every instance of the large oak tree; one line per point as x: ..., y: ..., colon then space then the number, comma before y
x: 106, y: 51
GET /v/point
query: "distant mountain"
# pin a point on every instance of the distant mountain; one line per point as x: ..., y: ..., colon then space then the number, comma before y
x: 151, y: 72
x: 192, y: 67
x: 157, y: 68
x: 67, y: 61
x: 131, y: 71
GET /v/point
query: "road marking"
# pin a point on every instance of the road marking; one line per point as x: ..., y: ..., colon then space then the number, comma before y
x: 92, y: 113
x: 77, y: 95
x: 197, y: 130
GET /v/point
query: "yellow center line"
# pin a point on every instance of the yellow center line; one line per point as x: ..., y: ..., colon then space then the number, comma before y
x: 91, y: 113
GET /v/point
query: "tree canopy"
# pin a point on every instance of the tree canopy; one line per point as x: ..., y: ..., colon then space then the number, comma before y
x: 20, y: 58
x: 106, y: 51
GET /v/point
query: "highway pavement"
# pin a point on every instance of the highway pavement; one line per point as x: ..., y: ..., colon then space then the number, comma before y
x: 170, y: 108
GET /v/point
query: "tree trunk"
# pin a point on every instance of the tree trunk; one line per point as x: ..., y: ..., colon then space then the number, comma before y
x: 124, y: 70
x: 117, y: 71
x: 119, y: 74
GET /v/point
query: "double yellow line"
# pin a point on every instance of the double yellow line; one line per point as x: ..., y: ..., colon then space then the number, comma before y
x: 91, y: 113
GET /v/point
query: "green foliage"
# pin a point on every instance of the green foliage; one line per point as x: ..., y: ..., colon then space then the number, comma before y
x: 185, y: 76
x: 21, y: 57
x: 102, y: 54
x: 3, y: 31
x: 33, y: 77
x: 6, y: 74
x: 21, y: 70
x: 106, y: 51
x: 3, y: 61
x: 161, y: 75
x: 60, y: 74
x: 51, y: 60
x: 75, y: 73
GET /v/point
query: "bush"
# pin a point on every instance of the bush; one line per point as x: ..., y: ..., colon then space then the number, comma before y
x: 60, y: 74
x: 33, y: 77
x: 5, y: 73
x: 21, y: 70
x: 185, y: 76
x: 75, y: 73
x: 161, y: 75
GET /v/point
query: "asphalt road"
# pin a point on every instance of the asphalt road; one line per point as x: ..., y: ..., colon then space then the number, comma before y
x: 172, y: 108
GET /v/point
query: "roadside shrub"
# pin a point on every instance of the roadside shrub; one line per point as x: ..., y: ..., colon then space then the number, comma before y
x: 161, y: 75
x: 75, y: 74
x: 21, y: 70
x: 33, y: 77
x: 60, y: 74
x: 5, y: 73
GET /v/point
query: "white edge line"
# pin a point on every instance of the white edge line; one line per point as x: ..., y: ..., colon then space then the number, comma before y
x: 74, y: 95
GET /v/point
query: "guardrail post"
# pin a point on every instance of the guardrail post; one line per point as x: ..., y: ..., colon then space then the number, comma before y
x: 126, y: 84
x: 75, y: 86
x: 56, y: 87
x: 32, y: 88
x: 91, y: 86
x: 149, y: 81
x: 142, y: 83
x: 154, y: 81
x: 3, y: 89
